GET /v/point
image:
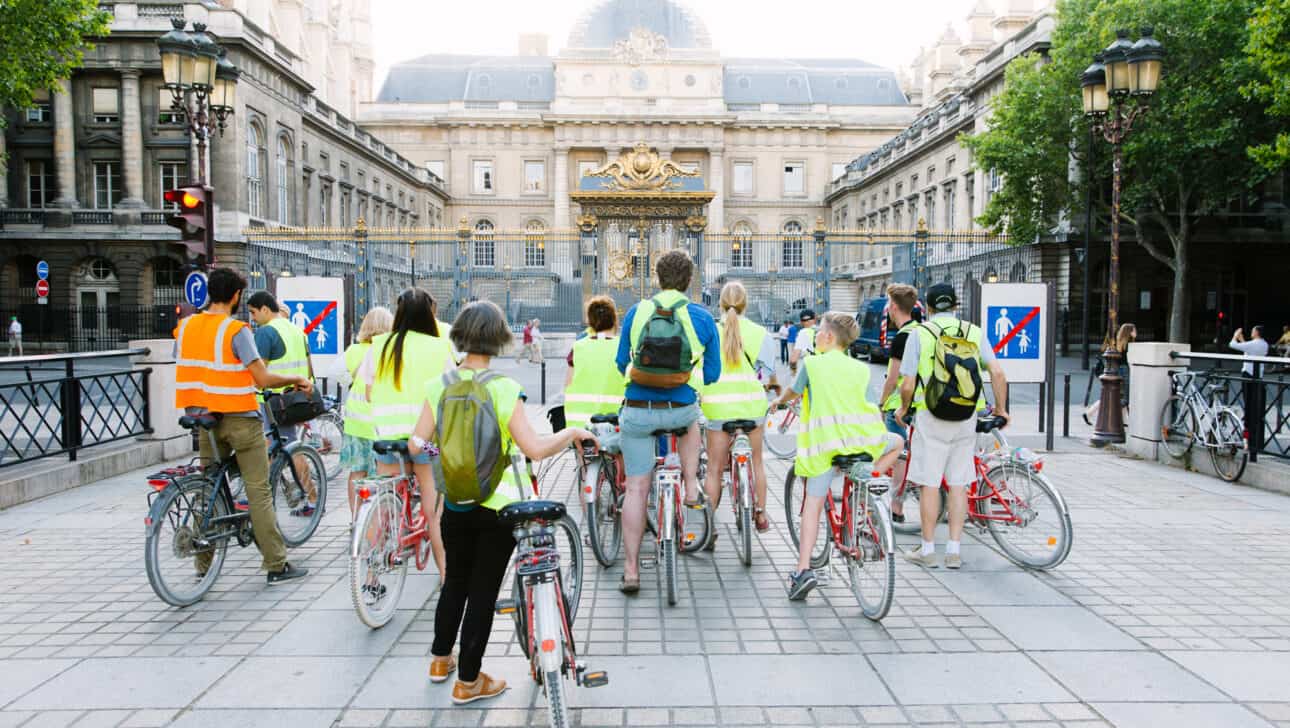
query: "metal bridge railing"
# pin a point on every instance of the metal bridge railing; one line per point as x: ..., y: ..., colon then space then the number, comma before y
x: 1262, y: 397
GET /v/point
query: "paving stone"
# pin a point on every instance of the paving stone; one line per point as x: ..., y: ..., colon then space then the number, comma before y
x: 1011, y: 678
x: 797, y: 680
x: 256, y: 718
x: 1057, y: 628
x: 291, y: 682
x: 1126, y: 676
x: 1180, y: 715
x: 130, y: 682
x: 1246, y: 676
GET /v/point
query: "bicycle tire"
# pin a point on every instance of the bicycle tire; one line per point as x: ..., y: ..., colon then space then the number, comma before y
x: 696, y: 527
x: 873, y: 568
x: 382, y: 518
x: 667, y: 556
x: 781, y: 443
x: 288, y: 496
x: 187, y: 497
x: 794, y: 493
x: 520, y: 616
x: 744, y: 522
x: 557, y: 706
x: 604, y: 522
x: 329, y: 430
x: 1229, y: 452
x: 571, y: 563
x: 1177, y: 426
x: 1052, y: 538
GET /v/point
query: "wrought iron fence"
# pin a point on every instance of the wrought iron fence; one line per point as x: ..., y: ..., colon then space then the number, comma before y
x: 90, y: 328
x: 1269, y: 390
x: 49, y: 408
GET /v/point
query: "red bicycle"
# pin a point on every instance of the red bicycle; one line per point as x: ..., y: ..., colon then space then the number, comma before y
x: 857, y: 525
x: 604, y: 485
x: 1010, y: 497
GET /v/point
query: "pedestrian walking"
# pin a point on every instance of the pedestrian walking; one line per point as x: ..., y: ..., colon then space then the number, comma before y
x: 781, y: 335
x: 1127, y: 334
x: 1283, y: 343
x: 535, y: 349
x: 526, y: 342
x: 1256, y: 345
x: 15, y: 335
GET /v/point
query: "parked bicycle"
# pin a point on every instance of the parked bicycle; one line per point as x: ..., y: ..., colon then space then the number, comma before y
x: 742, y: 485
x: 192, y: 514
x: 326, y: 434
x: 857, y: 525
x: 1010, y: 498
x: 1190, y: 418
x: 678, y: 527
x: 604, y: 486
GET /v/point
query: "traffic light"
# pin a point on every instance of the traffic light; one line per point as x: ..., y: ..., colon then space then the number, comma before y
x: 195, y: 220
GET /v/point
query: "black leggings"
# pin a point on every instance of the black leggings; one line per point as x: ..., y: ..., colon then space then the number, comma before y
x: 479, y: 549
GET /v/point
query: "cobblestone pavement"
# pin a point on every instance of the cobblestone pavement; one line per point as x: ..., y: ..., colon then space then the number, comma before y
x: 1172, y: 610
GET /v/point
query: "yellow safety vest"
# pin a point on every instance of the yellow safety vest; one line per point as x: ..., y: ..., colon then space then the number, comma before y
x: 738, y: 394
x: 505, y: 392
x: 395, y: 409
x: 893, y: 401
x: 597, y: 387
x: 927, y: 350
x: 295, y: 360
x: 836, y: 417
x: 669, y: 298
x: 358, y: 411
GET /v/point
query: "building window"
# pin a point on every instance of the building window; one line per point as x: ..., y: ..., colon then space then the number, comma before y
x: 535, y: 244
x: 900, y: 189
x: 743, y: 178
x: 324, y: 205
x: 993, y: 183
x: 483, y: 177
x: 929, y: 201
x: 931, y: 175
x: 255, y: 164
x: 107, y: 106
x: 949, y: 167
x: 436, y: 168
x: 534, y: 176
x: 839, y: 169
x: 40, y: 184
x: 166, y: 113
x: 283, y: 165
x: 345, y: 219
x: 107, y: 185
x: 794, y: 178
x: 172, y: 175
x: 951, y: 192
x: 41, y: 110
x: 791, y: 239
x: 485, y: 247
x: 969, y: 186
x: 344, y: 171
x: 167, y: 282
x: 741, y: 254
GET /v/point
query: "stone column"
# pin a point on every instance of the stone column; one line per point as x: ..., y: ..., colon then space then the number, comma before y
x: 131, y: 140
x: 1150, y: 368
x: 717, y: 183
x: 561, y: 188
x: 65, y: 145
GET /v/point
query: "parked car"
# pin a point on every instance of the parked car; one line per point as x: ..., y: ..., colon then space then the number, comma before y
x: 874, y: 341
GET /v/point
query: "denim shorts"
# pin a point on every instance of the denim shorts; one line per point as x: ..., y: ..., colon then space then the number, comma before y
x: 357, y: 456
x: 636, y: 423
x: 894, y: 426
x: 394, y: 458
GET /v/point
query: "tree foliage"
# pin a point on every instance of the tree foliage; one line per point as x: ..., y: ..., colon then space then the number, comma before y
x: 41, y: 42
x: 1185, y: 158
x: 1269, y: 51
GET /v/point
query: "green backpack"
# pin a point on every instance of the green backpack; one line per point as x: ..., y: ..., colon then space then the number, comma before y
x: 663, y: 357
x: 472, y: 459
x: 952, y: 391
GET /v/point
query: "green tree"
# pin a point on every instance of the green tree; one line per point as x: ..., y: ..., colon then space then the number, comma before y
x: 42, y: 41
x: 1269, y: 51
x: 1186, y: 157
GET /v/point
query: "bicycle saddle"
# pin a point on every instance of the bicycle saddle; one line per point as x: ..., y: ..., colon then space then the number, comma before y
x: 383, y: 447
x: 734, y: 426
x: 533, y: 510
x: 678, y: 432
x: 988, y: 424
x: 207, y: 421
x: 844, y: 462
x: 605, y: 419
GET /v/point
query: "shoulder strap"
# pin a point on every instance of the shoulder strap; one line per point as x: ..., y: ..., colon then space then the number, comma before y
x: 486, y: 376
x: 450, y: 378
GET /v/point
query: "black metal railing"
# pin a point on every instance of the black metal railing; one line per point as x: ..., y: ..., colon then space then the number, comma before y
x: 48, y: 407
x: 1261, y: 397
x: 89, y: 328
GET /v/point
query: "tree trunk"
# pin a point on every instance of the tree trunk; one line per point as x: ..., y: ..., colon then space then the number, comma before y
x: 1179, y: 305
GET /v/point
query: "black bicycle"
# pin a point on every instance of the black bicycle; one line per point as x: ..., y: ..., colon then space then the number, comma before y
x: 193, y: 514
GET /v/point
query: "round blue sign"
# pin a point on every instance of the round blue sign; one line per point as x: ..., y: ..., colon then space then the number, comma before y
x: 42, y: 270
x: 195, y: 289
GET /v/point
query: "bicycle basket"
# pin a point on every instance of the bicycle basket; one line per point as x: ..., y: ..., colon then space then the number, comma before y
x: 294, y: 407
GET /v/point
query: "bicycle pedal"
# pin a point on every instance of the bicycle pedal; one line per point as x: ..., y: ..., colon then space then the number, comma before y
x: 597, y: 679
x: 505, y: 606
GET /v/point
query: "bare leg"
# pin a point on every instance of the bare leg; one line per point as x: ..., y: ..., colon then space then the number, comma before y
x: 689, y: 444
x: 354, y: 476
x: 812, y: 507
x: 897, y: 480
x: 757, y: 437
x: 958, y: 511
x: 634, y: 523
x: 929, y: 505
x: 430, y: 507
x: 718, y: 455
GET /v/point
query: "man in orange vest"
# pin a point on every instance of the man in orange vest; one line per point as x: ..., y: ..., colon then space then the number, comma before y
x: 218, y: 371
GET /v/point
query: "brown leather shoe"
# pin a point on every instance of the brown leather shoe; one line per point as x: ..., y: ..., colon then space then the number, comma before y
x: 483, y: 688
x: 441, y: 668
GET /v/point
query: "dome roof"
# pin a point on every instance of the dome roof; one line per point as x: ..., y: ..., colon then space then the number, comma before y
x: 613, y: 20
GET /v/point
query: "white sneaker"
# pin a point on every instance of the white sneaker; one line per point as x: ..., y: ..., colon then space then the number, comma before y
x: 916, y: 556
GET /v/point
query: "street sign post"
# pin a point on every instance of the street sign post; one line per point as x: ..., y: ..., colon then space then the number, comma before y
x: 196, y: 292
x: 1018, y: 320
x: 42, y: 291
x: 42, y: 271
x: 316, y: 305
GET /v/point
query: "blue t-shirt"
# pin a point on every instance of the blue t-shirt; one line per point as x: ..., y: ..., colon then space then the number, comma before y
x: 705, y: 328
x: 792, y: 334
x: 270, y: 344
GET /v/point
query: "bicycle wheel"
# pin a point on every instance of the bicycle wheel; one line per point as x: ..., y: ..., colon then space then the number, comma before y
x: 781, y: 433
x: 1177, y: 426
x: 376, y: 573
x: 569, y: 543
x: 520, y: 615
x: 744, y: 520
x: 328, y: 434
x: 604, y: 522
x: 297, y: 517
x: 171, y: 555
x: 872, y: 567
x: 1027, y: 517
x: 667, y: 556
x: 1228, y: 450
x: 557, y: 706
x: 695, y: 526
x: 794, y: 495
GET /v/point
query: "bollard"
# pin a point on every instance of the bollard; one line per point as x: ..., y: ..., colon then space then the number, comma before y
x: 1043, y: 390
x: 1066, y: 405
x: 544, y: 381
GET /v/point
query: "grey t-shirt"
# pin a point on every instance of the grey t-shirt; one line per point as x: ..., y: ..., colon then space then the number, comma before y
x: 246, y: 352
x: 914, y: 345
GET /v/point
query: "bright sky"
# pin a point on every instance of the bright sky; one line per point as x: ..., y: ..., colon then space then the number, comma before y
x: 886, y: 32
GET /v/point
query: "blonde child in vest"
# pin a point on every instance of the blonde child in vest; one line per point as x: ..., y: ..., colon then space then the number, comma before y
x: 356, y: 454
x: 850, y: 385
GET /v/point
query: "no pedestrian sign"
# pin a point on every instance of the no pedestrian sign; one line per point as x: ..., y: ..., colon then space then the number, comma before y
x: 1015, y: 320
x: 319, y: 322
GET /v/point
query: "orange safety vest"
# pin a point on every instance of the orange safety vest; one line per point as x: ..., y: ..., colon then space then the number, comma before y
x: 208, y: 373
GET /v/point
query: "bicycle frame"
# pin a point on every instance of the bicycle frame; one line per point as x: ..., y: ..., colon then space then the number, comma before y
x: 412, y: 521
x: 669, y: 483
x: 740, y: 457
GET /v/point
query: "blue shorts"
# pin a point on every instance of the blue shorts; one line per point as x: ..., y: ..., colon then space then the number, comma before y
x: 640, y: 448
x: 394, y: 458
x: 894, y: 426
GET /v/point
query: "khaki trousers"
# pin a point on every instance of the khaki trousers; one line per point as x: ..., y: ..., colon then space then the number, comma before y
x: 244, y: 436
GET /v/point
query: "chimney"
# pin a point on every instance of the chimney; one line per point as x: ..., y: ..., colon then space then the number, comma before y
x: 945, y: 62
x: 980, y: 35
x: 533, y: 44
x: 1015, y: 16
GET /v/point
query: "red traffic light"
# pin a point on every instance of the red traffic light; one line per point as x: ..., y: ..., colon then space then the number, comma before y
x: 195, y: 219
x: 184, y: 198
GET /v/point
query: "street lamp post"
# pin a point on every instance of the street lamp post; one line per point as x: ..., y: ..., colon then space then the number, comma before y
x: 1117, y: 89
x: 202, y: 83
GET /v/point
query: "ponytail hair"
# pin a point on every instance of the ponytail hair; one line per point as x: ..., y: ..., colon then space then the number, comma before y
x: 734, y: 299
x: 414, y: 313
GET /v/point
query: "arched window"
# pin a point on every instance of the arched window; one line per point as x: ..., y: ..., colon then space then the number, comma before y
x: 741, y: 255
x: 792, y: 255
x: 485, y: 247
x: 1018, y: 274
x: 283, y: 162
x: 535, y: 244
x: 255, y: 163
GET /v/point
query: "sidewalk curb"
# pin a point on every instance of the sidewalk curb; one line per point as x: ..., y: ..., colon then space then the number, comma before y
x: 1269, y: 474
x: 48, y: 477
